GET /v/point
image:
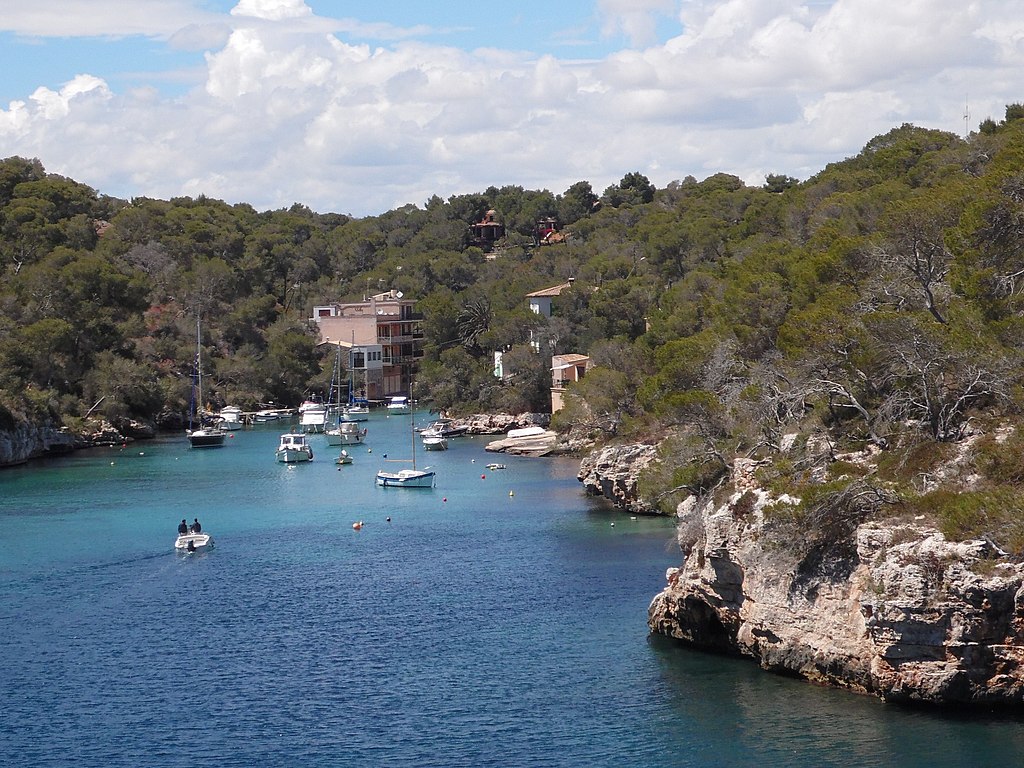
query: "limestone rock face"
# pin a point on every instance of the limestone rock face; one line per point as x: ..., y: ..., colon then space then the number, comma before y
x: 543, y: 443
x: 498, y: 423
x: 612, y: 472
x: 895, y: 611
x: 29, y: 441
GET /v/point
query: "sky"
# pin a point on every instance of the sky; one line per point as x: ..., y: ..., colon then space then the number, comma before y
x: 360, y: 107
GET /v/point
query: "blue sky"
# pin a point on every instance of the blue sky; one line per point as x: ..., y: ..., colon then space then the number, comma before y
x: 359, y: 107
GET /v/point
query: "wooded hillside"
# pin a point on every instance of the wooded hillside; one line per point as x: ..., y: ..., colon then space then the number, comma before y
x: 880, y: 302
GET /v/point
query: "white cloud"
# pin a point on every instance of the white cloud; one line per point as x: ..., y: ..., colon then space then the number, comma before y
x: 289, y: 112
x: 636, y: 19
x: 273, y: 10
x: 90, y: 18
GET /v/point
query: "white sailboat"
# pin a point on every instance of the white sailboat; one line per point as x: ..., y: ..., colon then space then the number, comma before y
x: 345, y: 430
x: 202, y: 436
x: 407, y: 478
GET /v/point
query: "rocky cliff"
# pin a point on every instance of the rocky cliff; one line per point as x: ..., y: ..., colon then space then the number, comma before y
x: 890, y: 608
x: 28, y: 440
x: 612, y: 472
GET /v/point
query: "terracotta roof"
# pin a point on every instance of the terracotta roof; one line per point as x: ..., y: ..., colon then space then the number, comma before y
x: 553, y: 291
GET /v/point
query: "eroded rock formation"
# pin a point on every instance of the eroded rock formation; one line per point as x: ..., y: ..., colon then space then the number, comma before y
x: 892, y: 609
x: 612, y: 472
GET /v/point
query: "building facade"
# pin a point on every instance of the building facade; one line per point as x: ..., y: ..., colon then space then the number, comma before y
x: 384, y: 338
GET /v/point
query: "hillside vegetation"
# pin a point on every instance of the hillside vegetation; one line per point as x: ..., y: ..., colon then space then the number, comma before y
x: 877, y: 306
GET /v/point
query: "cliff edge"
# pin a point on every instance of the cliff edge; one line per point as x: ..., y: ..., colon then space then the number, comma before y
x: 885, y: 607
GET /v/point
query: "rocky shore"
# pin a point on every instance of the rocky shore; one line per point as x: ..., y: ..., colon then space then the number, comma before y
x: 892, y: 609
x: 613, y: 471
x: 27, y: 441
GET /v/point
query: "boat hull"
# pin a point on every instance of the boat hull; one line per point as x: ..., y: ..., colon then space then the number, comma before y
x: 206, y: 438
x: 193, y: 542
x: 293, y: 449
x: 294, y: 455
x: 407, y: 478
x: 345, y: 435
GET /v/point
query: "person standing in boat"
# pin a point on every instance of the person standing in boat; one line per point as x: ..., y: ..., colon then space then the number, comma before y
x: 196, y: 527
x: 183, y: 528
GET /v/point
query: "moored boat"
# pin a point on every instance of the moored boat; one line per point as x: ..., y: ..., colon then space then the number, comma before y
x: 230, y: 418
x: 398, y: 404
x: 204, y: 435
x: 433, y: 441
x: 346, y: 433
x: 312, y: 416
x: 406, y: 478
x: 445, y: 427
x: 294, y: 448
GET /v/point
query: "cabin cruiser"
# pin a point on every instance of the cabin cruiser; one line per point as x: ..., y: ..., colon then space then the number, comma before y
x: 398, y: 404
x: 312, y: 416
x: 346, y: 433
x: 294, y: 447
x: 444, y: 427
x: 230, y: 418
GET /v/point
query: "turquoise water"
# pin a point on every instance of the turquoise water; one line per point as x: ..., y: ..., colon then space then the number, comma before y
x: 496, y: 620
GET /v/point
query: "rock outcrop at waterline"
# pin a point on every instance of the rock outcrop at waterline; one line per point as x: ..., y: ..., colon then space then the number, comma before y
x: 893, y: 610
x: 613, y: 471
x: 28, y: 440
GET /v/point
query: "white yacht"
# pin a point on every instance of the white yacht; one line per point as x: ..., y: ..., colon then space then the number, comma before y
x: 345, y: 433
x: 231, y: 418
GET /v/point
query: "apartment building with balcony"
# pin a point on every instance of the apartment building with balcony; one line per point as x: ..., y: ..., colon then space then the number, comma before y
x: 384, y: 338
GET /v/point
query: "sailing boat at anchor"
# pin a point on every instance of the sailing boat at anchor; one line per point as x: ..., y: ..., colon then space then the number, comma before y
x: 203, y: 436
x: 407, y: 478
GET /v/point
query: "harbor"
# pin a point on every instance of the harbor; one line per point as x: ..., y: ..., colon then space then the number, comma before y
x: 341, y: 624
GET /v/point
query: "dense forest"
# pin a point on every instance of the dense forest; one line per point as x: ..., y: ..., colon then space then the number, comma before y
x: 879, y: 303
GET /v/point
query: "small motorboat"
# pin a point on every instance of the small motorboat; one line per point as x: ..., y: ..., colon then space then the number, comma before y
x: 434, y: 441
x: 294, y: 447
x: 445, y: 427
x: 343, y: 458
x: 312, y: 416
x: 493, y: 467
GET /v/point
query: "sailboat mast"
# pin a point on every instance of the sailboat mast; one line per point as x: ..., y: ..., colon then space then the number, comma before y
x: 199, y: 371
x: 412, y: 425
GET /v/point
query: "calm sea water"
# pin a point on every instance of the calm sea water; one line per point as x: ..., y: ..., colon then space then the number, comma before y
x: 498, y: 619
